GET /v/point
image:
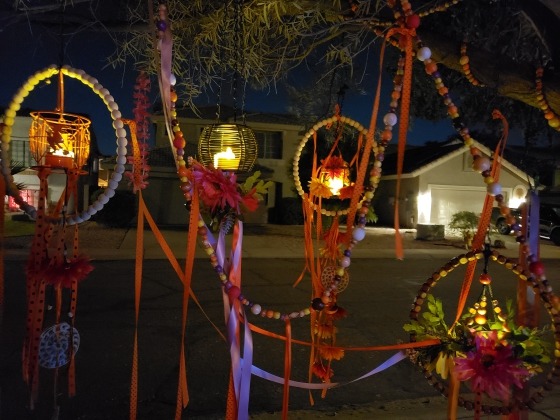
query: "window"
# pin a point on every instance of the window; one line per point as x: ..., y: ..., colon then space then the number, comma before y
x: 269, y: 144
x: 20, y: 152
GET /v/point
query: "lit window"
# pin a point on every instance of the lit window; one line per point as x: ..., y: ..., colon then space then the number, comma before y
x: 269, y: 144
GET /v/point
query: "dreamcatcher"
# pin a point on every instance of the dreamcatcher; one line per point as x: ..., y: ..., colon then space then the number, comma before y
x: 59, y: 143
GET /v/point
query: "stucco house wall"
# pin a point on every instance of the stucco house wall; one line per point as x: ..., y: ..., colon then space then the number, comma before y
x: 433, y: 192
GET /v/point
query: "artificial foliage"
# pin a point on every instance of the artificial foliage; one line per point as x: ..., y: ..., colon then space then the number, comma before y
x: 473, y: 351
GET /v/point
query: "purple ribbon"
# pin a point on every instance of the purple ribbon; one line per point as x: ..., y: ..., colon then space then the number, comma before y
x: 533, y: 226
x: 393, y: 360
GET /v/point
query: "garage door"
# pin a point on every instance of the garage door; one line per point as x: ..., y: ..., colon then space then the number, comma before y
x: 448, y: 200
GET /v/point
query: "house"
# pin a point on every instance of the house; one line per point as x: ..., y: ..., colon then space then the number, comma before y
x: 437, y: 181
x: 277, y: 138
x: 28, y: 179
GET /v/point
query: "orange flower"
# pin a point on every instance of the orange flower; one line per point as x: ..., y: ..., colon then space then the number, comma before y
x: 322, y: 372
x: 331, y: 353
x: 339, y: 313
x: 319, y: 189
x: 346, y: 192
x: 324, y: 331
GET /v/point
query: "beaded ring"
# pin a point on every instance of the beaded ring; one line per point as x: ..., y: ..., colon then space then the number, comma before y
x: 118, y: 125
x: 297, y: 182
x: 541, y: 287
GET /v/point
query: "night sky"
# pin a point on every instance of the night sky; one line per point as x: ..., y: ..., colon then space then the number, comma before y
x: 27, y: 49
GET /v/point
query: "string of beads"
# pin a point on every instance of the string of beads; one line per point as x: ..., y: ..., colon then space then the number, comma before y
x: 552, y: 118
x: 464, y: 61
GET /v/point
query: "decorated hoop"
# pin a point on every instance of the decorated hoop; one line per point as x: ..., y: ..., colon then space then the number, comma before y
x: 542, y: 288
x: 297, y: 181
x: 118, y: 125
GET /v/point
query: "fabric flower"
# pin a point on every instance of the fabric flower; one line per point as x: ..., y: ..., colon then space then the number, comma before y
x: 250, y: 201
x: 218, y: 190
x: 491, y: 367
x: 324, y: 330
x: 346, y: 192
x: 322, y: 372
x: 331, y: 353
x: 319, y: 189
x: 66, y: 273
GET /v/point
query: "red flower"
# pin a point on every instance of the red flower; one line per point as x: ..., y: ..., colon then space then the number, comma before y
x: 66, y: 273
x: 322, y: 372
x: 491, y: 367
x: 250, y: 201
x: 346, y: 192
x: 217, y: 189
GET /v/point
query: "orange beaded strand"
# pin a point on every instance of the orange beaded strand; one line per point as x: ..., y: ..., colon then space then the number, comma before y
x: 552, y: 118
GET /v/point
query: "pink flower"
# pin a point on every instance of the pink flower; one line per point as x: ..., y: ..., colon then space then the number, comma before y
x: 491, y: 367
x: 217, y: 189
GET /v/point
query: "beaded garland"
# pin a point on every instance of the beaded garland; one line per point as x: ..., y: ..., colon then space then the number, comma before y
x: 464, y: 62
x: 541, y: 288
x: 480, y: 163
x: 552, y: 118
x: 118, y: 125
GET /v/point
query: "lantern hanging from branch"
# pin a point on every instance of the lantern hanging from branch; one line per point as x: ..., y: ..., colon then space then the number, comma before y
x: 228, y: 146
x: 57, y: 139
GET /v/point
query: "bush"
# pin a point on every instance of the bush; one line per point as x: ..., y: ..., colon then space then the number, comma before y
x: 464, y: 222
x: 119, y: 211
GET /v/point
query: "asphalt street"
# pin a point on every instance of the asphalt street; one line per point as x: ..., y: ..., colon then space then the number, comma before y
x: 378, y: 300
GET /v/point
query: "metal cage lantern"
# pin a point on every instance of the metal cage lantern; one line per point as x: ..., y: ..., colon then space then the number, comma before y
x: 59, y: 140
x: 335, y: 174
x: 230, y: 147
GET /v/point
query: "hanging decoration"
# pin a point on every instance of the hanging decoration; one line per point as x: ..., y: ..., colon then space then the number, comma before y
x: 139, y: 179
x: 219, y: 192
x: 9, y: 120
x: 464, y: 61
x: 486, y: 348
x: 230, y: 146
x: 551, y: 116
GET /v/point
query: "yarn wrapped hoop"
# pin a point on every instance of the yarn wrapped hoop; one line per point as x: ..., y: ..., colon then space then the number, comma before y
x: 297, y: 181
x: 118, y: 125
x: 541, y: 288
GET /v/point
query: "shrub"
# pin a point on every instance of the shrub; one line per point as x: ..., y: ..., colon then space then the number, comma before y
x: 464, y: 222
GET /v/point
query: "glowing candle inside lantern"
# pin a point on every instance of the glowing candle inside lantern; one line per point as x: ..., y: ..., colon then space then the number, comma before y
x: 62, y: 156
x: 226, y: 160
x: 335, y: 184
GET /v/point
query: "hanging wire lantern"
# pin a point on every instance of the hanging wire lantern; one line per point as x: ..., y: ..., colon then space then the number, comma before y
x: 228, y: 146
x: 58, y: 139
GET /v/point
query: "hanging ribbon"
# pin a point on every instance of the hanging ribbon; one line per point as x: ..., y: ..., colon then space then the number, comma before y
x: 393, y: 360
x: 478, y: 241
x: 182, y: 389
x: 406, y: 37
x: 2, y: 198
x: 287, y: 369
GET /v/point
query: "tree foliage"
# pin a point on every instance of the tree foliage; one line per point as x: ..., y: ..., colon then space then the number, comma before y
x: 506, y: 39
